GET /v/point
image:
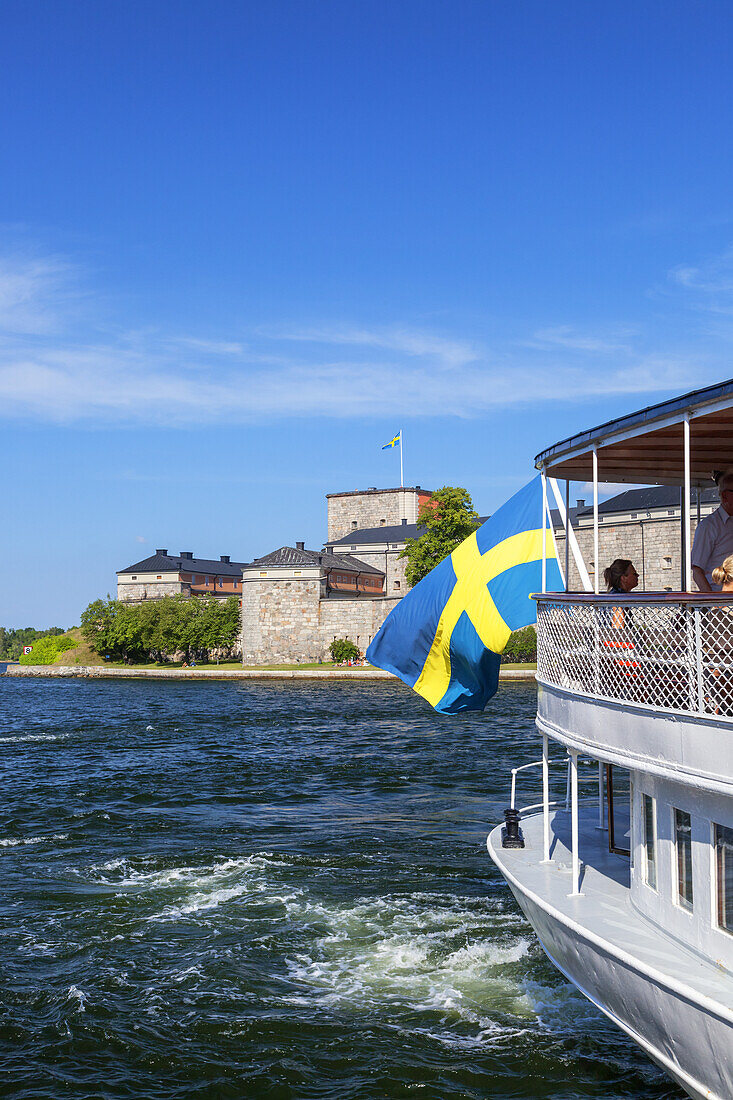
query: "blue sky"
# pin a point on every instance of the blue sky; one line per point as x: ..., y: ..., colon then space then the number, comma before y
x: 242, y: 244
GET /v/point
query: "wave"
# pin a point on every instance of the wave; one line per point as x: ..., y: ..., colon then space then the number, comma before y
x: 34, y: 737
x: 415, y: 954
x: 15, y: 842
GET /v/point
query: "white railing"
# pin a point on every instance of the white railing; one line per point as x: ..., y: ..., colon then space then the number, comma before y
x: 538, y: 764
x: 668, y: 652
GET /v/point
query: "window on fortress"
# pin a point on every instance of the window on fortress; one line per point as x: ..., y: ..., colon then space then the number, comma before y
x: 159, y: 578
x: 382, y: 523
x: 134, y: 578
x: 633, y: 515
x: 397, y: 585
x: 353, y: 525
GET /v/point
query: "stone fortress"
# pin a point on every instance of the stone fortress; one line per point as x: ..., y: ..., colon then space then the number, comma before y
x: 295, y: 601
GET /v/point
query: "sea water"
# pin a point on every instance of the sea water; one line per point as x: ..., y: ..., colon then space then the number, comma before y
x: 275, y: 890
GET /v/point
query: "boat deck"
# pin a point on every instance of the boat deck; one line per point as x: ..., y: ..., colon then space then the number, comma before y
x: 604, y: 909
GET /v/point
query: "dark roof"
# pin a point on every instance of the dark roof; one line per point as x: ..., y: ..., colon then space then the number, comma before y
x: 648, y: 498
x: 574, y: 513
x: 289, y: 556
x: 170, y: 563
x: 637, y: 500
x: 396, y: 533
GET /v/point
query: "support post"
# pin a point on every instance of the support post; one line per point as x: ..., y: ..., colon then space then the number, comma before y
x: 596, y: 563
x: 544, y: 530
x: 687, y: 525
x: 545, y: 800
x: 575, y: 892
x: 567, y: 535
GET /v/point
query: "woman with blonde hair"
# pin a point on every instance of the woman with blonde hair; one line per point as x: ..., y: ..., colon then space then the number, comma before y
x: 717, y: 639
x: 723, y: 574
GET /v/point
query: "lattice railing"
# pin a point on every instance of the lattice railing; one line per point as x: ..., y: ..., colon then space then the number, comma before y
x: 668, y: 653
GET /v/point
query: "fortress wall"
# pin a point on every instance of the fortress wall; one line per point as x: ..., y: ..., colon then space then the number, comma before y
x: 287, y: 621
x: 138, y: 591
x: 652, y: 545
x: 371, y: 508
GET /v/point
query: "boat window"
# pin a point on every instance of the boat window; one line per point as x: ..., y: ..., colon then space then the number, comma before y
x: 650, y: 841
x: 683, y: 845
x: 724, y: 863
x: 618, y: 808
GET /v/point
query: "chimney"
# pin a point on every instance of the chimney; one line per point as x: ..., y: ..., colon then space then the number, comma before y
x: 580, y: 503
x: 224, y: 558
x: 187, y: 554
x: 404, y: 523
x: 300, y: 546
x: 163, y: 552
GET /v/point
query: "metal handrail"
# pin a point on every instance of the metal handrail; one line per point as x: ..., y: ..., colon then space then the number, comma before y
x: 538, y: 764
x: 632, y: 598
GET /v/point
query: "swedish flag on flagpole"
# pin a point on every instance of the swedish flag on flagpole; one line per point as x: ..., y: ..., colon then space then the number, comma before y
x: 445, y: 638
x: 393, y: 442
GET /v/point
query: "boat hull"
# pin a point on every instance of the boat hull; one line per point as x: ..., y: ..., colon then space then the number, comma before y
x: 687, y: 1039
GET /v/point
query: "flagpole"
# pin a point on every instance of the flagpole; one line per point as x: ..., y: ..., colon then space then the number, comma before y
x: 402, y: 448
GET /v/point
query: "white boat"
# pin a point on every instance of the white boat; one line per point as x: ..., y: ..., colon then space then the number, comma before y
x: 630, y: 890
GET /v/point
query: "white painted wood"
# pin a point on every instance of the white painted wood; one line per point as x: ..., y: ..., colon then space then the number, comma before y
x: 597, y: 564
x: 574, y: 547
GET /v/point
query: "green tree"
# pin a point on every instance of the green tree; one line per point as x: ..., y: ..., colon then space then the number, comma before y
x: 46, y: 650
x: 342, y: 650
x: 521, y: 647
x: 447, y: 518
x: 97, y: 624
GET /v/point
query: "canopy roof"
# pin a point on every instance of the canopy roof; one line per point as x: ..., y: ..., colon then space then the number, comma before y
x: 647, y: 447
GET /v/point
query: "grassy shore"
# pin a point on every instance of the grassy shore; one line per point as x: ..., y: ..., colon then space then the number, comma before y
x: 83, y: 655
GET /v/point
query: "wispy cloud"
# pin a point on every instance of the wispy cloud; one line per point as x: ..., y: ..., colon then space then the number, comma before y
x: 144, y: 376
x: 708, y: 285
x: 569, y: 338
x: 408, y: 341
x: 35, y: 293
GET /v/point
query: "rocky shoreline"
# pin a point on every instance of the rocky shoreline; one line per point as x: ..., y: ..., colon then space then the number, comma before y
x: 99, y: 672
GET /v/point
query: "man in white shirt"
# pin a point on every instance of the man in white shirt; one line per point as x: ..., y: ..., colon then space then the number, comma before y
x: 713, y: 540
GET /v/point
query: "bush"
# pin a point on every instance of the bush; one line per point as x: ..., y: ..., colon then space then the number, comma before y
x: 46, y: 650
x: 521, y: 647
x: 343, y: 650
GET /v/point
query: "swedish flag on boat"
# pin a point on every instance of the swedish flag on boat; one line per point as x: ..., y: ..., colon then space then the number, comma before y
x: 445, y: 638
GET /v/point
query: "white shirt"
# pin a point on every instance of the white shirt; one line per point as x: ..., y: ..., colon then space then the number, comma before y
x: 713, y: 543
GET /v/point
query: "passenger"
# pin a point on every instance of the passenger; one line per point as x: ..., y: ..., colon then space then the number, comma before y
x: 714, y: 537
x: 621, y: 576
x: 622, y: 670
x: 717, y: 643
x: 723, y: 575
